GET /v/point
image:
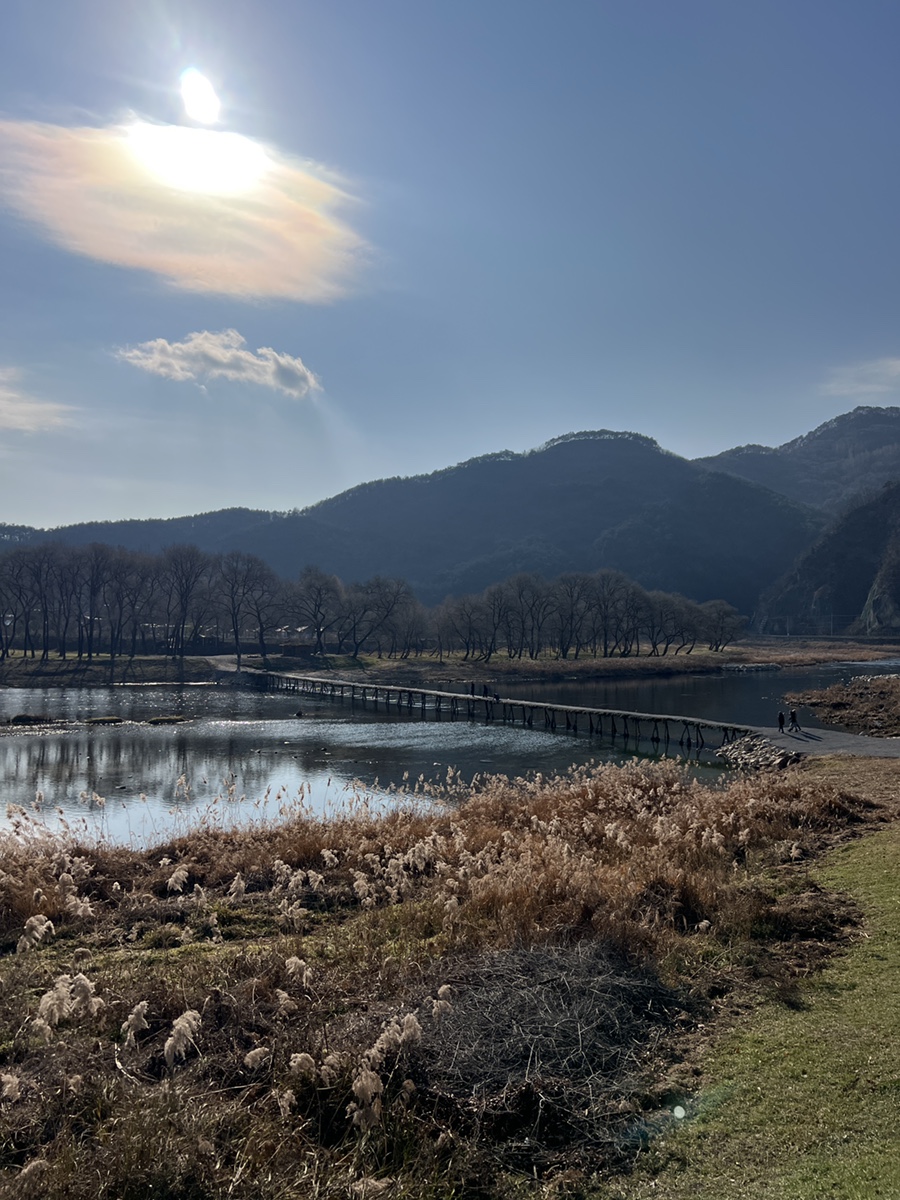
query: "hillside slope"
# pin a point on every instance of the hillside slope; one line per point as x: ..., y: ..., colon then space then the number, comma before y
x: 849, y: 577
x: 827, y: 468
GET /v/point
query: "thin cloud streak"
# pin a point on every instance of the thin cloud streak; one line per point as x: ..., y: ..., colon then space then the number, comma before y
x: 89, y: 192
x: 24, y: 413
x: 877, y: 377
x: 204, y: 356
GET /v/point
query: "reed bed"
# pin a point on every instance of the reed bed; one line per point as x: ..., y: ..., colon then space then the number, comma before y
x: 406, y: 1002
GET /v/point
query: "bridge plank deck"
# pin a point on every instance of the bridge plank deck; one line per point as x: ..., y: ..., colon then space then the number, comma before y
x: 336, y: 687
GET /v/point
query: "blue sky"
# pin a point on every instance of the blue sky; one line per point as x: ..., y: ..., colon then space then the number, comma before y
x: 422, y: 231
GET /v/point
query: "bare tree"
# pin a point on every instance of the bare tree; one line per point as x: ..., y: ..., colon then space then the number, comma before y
x: 265, y: 601
x: 315, y: 600
x: 66, y: 570
x: 408, y: 628
x: 369, y: 606
x: 722, y: 623
x: 463, y: 621
x: 608, y: 609
x: 185, y: 574
x: 233, y: 577
x: 573, y: 597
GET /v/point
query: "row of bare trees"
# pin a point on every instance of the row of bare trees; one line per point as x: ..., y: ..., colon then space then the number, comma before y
x: 88, y: 600
x: 602, y: 614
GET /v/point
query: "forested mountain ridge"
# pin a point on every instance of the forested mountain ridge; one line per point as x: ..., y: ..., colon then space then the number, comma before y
x: 579, y: 503
x: 837, y: 463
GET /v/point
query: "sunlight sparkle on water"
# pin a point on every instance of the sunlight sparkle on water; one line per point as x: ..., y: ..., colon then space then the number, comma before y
x: 198, y: 160
x: 200, y: 100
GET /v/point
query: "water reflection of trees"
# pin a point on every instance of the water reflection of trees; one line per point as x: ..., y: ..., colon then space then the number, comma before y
x: 63, y: 766
x: 233, y: 753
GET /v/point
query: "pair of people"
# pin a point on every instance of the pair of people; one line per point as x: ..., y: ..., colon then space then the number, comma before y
x: 794, y: 724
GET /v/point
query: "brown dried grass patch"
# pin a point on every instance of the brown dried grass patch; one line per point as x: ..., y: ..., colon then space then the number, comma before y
x: 527, y: 883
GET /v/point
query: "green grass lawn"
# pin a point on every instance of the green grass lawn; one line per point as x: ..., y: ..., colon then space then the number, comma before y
x: 805, y: 1103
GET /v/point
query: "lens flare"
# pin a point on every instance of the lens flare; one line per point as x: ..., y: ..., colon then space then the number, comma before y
x: 200, y: 100
x: 198, y: 160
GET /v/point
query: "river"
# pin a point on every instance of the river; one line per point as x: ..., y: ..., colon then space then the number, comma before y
x: 242, y: 755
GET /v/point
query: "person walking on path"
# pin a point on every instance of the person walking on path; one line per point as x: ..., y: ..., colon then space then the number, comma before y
x: 781, y: 722
x: 793, y: 724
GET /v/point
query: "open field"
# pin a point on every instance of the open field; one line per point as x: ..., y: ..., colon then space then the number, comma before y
x: 512, y: 996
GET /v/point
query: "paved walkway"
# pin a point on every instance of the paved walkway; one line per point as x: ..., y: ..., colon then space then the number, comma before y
x: 832, y: 741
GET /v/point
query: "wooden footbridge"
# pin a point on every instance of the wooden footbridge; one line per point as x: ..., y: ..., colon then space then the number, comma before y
x: 659, y: 729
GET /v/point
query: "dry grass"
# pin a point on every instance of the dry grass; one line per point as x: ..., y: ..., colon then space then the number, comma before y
x: 428, y: 671
x: 22, y: 671
x: 804, y: 652
x: 877, y: 779
x: 867, y: 704
x: 271, y: 1012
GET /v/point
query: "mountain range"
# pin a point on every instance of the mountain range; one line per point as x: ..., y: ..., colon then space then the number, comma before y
x: 827, y: 468
x: 726, y: 526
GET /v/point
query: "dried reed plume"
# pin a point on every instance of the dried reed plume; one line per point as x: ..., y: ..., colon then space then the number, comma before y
x: 36, y: 929
x: 181, y: 1039
x: 178, y: 878
x: 136, y: 1023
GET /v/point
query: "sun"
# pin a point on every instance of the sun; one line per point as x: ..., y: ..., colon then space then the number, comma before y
x: 198, y: 160
x: 201, y: 103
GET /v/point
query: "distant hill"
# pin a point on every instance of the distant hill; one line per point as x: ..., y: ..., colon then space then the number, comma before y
x: 211, y: 531
x: 581, y: 502
x: 855, y: 453
x: 850, y: 578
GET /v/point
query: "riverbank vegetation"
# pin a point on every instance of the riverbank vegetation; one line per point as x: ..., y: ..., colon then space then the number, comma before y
x: 18, y: 670
x: 866, y: 704
x: 501, y: 997
x: 454, y: 670
x: 747, y: 654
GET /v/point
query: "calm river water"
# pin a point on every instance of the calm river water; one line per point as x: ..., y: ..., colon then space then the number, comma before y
x: 243, y: 755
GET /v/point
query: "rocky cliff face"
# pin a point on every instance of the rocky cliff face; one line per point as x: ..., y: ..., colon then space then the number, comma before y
x: 848, y: 580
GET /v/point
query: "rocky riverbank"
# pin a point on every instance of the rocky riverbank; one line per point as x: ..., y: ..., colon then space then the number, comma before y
x: 756, y: 753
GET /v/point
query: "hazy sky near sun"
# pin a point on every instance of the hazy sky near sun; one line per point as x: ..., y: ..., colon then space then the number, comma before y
x: 387, y: 236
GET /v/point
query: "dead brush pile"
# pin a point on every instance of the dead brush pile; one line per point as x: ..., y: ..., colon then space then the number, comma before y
x: 430, y: 998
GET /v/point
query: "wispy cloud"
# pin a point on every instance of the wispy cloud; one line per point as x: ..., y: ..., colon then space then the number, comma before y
x: 170, y: 200
x: 203, y: 356
x: 24, y: 413
x: 877, y: 377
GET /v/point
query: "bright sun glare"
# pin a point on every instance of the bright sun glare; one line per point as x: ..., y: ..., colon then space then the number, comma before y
x: 198, y: 160
x: 200, y: 100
